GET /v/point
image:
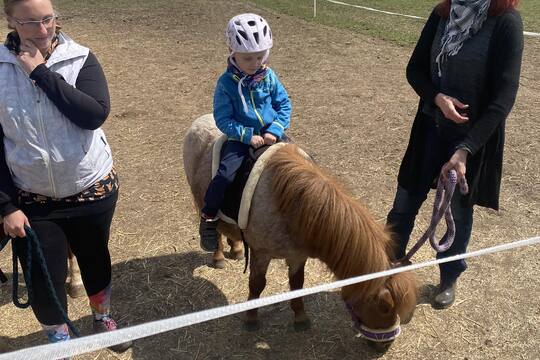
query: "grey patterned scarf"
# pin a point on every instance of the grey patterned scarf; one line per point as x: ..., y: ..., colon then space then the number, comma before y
x: 466, y: 18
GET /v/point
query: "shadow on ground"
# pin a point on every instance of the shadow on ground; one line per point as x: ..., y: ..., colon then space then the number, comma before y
x: 161, y: 287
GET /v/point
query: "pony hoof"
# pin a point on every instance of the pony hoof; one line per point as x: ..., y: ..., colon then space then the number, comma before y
x: 303, y: 325
x: 75, y: 290
x: 252, y: 325
x: 219, y: 264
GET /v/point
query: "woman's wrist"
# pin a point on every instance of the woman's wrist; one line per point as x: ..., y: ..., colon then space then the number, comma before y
x: 462, y: 153
x: 438, y: 99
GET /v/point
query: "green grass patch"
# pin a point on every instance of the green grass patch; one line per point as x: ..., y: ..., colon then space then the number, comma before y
x: 530, y: 11
x: 397, y: 29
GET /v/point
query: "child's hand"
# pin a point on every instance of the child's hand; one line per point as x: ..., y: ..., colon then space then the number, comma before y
x: 257, y: 141
x: 269, y: 139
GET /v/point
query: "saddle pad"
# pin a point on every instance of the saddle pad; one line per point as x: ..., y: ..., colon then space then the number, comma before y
x: 237, y: 200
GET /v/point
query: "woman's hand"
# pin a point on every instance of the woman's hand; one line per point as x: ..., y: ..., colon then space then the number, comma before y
x: 449, y: 107
x: 269, y: 139
x: 29, y: 57
x: 257, y: 141
x: 14, y: 224
x: 458, y: 162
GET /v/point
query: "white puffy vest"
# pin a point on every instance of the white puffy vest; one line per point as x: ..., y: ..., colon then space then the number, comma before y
x: 46, y: 153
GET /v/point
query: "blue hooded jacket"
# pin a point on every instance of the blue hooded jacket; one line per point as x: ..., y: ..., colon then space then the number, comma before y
x: 269, y: 107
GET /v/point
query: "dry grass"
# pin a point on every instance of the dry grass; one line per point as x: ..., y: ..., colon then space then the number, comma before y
x: 353, y: 111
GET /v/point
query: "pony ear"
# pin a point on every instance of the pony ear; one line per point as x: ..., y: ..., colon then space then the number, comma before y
x: 385, y: 301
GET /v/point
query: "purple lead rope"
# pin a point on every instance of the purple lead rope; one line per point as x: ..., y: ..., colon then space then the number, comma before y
x: 441, y: 206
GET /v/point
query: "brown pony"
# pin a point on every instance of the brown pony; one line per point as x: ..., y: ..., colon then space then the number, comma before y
x: 297, y: 212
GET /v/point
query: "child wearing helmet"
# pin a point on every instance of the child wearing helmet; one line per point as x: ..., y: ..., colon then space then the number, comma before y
x: 251, y: 107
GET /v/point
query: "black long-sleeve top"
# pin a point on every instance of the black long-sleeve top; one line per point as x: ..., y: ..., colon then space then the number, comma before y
x: 87, y: 105
x: 496, y: 97
x: 485, y: 75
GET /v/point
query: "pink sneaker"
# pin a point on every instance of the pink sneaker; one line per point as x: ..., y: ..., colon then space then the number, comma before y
x: 107, y: 323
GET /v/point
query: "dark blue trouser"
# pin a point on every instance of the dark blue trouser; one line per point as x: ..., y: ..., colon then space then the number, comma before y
x: 401, y: 220
x: 232, y: 156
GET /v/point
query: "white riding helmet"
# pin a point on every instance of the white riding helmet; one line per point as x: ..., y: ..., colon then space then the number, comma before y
x: 248, y: 33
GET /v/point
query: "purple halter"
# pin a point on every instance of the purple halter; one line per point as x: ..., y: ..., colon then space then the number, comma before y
x: 375, y: 335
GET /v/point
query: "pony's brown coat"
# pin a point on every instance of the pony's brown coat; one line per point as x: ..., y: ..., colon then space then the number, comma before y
x: 298, y: 211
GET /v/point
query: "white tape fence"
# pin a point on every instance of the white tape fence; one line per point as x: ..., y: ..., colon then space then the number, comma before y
x: 103, y: 340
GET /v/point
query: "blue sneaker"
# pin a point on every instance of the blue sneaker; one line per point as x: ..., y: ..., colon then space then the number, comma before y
x: 57, y: 333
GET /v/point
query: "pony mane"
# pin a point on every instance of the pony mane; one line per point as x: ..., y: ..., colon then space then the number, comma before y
x: 328, y: 223
x: 404, y: 289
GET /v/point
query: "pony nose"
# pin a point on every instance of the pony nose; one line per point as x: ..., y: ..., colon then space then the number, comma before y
x: 380, y: 346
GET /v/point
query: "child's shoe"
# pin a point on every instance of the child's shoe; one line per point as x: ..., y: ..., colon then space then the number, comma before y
x: 208, y: 233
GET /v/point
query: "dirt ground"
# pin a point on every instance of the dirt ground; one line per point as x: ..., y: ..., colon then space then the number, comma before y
x: 353, y: 111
